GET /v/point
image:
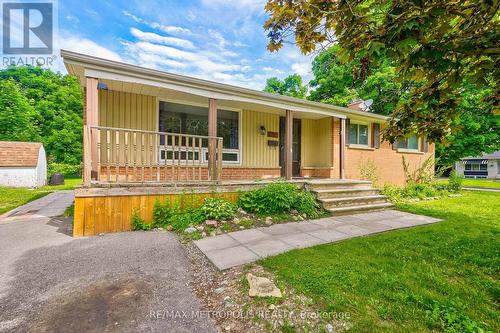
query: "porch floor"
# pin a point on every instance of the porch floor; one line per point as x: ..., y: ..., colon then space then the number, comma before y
x: 297, y: 180
x: 242, y: 247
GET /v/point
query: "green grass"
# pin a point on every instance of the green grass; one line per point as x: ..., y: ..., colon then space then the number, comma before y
x: 70, y: 182
x: 442, y: 277
x: 480, y: 183
x: 11, y: 198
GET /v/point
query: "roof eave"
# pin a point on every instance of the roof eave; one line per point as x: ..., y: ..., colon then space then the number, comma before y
x: 99, y: 64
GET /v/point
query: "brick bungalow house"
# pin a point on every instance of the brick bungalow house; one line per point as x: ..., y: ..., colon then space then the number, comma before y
x: 149, y: 133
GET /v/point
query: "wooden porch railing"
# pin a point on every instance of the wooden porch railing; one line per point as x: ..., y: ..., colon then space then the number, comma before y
x: 119, y: 155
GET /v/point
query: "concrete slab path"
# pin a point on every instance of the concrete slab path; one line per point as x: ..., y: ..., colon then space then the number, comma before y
x: 245, y: 246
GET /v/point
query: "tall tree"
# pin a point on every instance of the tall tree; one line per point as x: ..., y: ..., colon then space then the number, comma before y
x: 437, y: 45
x: 336, y: 82
x: 291, y: 86
x: 57, y: 104
x: 476, y: 130
x: 15, y: 114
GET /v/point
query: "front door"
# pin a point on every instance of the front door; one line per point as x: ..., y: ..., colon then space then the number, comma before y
x: 295, y: 147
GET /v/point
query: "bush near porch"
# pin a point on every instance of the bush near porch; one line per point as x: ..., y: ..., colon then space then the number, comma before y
x: 424, y: 188
x: 275, y: 203
x: 436, y: 278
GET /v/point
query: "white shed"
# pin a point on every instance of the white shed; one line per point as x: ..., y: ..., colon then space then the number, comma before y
x: 22, y: 164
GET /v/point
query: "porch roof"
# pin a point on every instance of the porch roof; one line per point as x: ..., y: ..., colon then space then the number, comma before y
x: 130, y: 78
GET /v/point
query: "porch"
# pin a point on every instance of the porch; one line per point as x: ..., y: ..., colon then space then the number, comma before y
x: 144, y: 126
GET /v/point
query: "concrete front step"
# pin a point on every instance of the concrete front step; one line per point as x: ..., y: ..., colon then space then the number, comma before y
x: 329, y: 185
x: 353, y: 201
x: 345, y: 192
x: 360, y: 209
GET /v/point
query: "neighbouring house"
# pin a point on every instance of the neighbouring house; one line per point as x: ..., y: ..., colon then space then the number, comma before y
x: 22, y: 164
x: 150, y: 133
x: 484, y: 166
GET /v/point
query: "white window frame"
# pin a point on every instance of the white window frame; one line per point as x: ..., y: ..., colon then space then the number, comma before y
x: 204, y: 150
x: 360, y: 145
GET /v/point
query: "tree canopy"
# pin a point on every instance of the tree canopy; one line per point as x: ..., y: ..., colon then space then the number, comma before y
x: 15, y: 114
x: 290, y: 86
x: 47, y: 107
x: 476, y: 130
x: 335, y: 83
x: 438, y: 46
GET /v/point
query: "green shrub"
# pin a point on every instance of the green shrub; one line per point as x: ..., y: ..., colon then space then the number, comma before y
x: 306, y: 203
x: 415, y: 191
x: 161, y: 213
x: 182, y: 220
x: 218, y: 209
x: 64, y: 169
x: 138, y: 222
x: 279, y: 198
x: 176, y: 215
x: 274, y: 198
x: 455, y: 181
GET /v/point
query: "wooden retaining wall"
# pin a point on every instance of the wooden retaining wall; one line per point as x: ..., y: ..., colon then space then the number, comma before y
x: 96, y: 215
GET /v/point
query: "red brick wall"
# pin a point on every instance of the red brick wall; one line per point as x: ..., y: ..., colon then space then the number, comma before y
x: 388, y: 162
x: 166, y: 174
x: 318, y: 172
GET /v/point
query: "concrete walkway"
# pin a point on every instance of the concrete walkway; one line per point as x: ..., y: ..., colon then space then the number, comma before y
x: 241, y: 247
x: 481, y: 189
x: 53, y: 204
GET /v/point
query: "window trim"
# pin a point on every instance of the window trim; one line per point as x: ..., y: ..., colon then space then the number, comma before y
x: 369, y: 131
x: 239, y: 151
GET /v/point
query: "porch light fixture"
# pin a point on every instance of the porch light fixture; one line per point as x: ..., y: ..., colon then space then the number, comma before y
x: 102, y: 86
x: 263, y: 130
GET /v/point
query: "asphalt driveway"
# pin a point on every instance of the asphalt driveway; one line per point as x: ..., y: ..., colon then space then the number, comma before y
x: 126, y: 282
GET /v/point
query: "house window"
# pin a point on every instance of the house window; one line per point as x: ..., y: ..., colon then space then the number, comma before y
x: 358, y: 134
x: 476, y: 167
x: 411, y: 142
x: 193, y: 120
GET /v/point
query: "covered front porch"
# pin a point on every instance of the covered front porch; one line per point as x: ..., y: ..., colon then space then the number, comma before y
x: 147, y: 130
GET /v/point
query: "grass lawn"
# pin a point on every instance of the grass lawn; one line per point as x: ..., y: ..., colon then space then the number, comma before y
x: 11, y: 198
x: 480, y: 183
x: 441, y: 277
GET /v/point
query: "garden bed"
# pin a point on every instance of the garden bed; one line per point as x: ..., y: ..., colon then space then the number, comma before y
x: 277, y: 202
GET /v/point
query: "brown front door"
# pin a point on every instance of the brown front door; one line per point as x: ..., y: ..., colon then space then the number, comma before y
x: 295, y: 147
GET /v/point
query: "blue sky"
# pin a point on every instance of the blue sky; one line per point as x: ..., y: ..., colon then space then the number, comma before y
x: 219, y: 40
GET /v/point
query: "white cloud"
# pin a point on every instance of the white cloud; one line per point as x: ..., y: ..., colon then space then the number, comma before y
x: 75, y: 43
x: 198, y: 61
x: 217, y: 36
x: 72, y: 19
x: 242, y: 4
x: 86, y: 46
x: 302, y: 68
x: 239, y: 44
x: 155, y: 38
x: 170, y: 29
x: 133, y: 17
x: 190, y: 16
